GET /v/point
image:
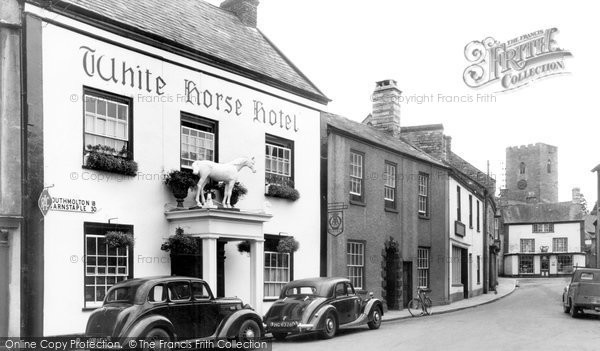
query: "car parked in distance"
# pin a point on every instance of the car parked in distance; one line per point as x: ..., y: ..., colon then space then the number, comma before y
x: 583, y: 292
x: 321, y: 305
x: 171, y: 309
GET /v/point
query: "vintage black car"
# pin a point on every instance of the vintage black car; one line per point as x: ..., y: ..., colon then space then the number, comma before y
x: 171, y: 309
x: 321, y: 305
x: 583, y: 292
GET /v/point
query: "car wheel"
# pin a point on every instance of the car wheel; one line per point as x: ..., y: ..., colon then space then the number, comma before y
x: 279, y: 336
x: 375, y: 323
x: 156, y: 340
x: 249, y: 331
x: 573, y: 311
x: 566, y: 308
x: 329, y: 326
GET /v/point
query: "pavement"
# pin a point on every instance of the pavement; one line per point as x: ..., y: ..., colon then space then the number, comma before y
x: 505, y: 287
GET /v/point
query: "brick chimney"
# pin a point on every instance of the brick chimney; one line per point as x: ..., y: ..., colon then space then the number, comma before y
x: 245, y: 10
x: 386, y: 107
x: 429, y: 138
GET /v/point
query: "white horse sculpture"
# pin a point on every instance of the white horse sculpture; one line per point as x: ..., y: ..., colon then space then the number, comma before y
x: 220, y: 172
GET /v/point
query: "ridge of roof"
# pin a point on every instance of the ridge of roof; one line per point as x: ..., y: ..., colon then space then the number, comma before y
x: 380, y: 138
x: 199, y: 30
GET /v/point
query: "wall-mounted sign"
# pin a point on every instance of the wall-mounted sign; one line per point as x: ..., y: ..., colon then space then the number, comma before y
x: 47, y: 202
x: 335, y: 223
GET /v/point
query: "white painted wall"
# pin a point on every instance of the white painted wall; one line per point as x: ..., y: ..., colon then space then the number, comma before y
x: 473, y: 239
x: 571, y: 231
x: 140, y: 201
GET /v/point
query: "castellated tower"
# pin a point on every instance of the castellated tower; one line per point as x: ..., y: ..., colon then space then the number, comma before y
x: 532, y: 173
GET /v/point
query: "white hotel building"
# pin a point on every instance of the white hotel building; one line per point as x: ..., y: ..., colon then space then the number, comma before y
x: 169, y: 83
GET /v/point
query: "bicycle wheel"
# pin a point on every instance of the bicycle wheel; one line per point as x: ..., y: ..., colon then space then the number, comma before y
x: 414, y: 307
x: 427, y: 305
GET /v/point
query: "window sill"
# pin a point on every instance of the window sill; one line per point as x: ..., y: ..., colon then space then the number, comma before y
x: 424, y: 216
x: 457, y: 285
x: 392, y: 210
x: 270, y: 299
x: 358, y: 203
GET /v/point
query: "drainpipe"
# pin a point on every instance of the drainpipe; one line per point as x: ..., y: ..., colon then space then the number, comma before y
x: 486, y: 248
x: 597, y: 170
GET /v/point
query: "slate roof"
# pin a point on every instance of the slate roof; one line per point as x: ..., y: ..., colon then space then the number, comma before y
x: 201, y: 29
x: 379, y: 137
x: 471, y: 171
x: 543, y: 213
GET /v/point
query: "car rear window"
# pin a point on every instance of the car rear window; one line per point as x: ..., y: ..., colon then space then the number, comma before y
x: 122, y: 294
x: 301, y: 290
x: 587, y: 276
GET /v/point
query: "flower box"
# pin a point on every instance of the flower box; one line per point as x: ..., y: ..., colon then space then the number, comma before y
x: 106, y: 158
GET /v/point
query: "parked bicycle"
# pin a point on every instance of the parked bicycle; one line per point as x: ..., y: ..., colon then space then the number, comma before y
x: 420, y: 305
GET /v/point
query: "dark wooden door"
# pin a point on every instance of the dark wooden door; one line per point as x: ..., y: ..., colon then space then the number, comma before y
x: 464, y: 272
x: 407, y: 287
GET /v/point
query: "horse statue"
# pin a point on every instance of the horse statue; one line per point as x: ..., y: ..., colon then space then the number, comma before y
x: 220, y: 172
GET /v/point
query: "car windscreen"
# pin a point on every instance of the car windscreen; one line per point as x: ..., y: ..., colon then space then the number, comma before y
x: 302, y: 290
x: 121, y: 294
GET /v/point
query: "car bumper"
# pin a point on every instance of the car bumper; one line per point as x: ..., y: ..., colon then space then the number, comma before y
x: 298, y: 328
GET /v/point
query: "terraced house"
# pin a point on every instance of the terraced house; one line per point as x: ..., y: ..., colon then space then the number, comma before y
x: 149, y: 87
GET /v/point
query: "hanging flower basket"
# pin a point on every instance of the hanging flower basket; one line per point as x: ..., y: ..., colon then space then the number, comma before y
x: 244, y: 246
x: 119, y: 240
x: 181, y: 244
x: 288, y: 245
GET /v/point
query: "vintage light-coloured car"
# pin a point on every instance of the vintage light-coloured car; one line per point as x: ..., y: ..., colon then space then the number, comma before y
x: 321, y: 305
x: 171, y: 309
x: 583, y: 292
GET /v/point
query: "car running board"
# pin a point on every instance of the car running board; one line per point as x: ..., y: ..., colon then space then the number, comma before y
x: 360, y: 320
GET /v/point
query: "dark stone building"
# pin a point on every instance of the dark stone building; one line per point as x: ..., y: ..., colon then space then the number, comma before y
x: 531, y: 174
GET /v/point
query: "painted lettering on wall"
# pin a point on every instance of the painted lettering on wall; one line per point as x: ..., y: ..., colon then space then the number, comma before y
x: 109, y: 70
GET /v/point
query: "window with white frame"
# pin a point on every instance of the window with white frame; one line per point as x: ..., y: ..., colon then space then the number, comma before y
x: 107, y: 121
x: 423, y: 194
x: 356, y: 176
x: 279, y: 161
x: 389, y: 188
x: 198, y: 140
x: 527, y: 245
x: 564, y: 263
x: 355, y: 257
x: 560, y: 245
x: 526, y: 264
x: 543, y: 227
x: 423, y: 267
x: 104, y: 265
x: 277, y: 272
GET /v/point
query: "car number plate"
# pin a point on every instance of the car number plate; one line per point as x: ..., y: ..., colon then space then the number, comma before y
x: 283, y: 324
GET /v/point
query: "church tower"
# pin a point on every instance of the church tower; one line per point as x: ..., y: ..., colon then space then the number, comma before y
x: 532, y: 173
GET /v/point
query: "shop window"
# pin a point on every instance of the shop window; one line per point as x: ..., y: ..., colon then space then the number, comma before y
x: 423, y: 267
x: 526, y: 264
x: 108, y: 122
x: 560, y: 245
x: 423, y: 194
x: 279, y: 160
x: 456, y: 265
x: 198, y: 140
x: 355, y: 262
x: 356, y: 176
x: 565, y: 263
x: 527, y: 245
x: 278, y: 268
x: 389, y: 187
x: 104, y: 266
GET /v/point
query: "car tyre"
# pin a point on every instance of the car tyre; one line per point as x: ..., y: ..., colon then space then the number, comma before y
x: 329, y: 326
x: 574, y: 311
x: 280, y: 336
x: 566, y: 308
x: 155, y: 335
x: 375, y: 322
x: 249, y: 331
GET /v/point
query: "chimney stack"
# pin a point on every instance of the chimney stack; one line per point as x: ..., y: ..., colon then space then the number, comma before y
x: 245, y: 10
x: 576, y: 195
x: 386, y: 107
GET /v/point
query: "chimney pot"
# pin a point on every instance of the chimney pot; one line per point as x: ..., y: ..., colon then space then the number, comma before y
x: 386, y: 107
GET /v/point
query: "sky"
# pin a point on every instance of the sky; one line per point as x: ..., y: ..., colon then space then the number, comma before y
x: 344, y: 47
